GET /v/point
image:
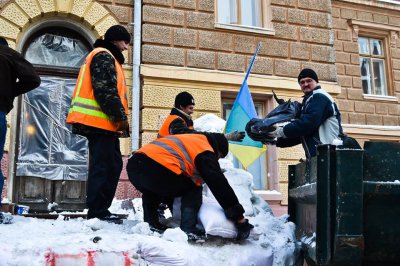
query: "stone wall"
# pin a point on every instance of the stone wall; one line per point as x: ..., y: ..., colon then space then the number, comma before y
x: 383, y: 23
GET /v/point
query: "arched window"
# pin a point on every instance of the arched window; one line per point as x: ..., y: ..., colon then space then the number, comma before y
x: 57, y: 50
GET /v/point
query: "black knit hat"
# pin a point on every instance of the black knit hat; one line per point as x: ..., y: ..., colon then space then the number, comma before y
x: 183, y: 99
x: 307, y: 73
x: 222, y: 143
x: 117, y: 33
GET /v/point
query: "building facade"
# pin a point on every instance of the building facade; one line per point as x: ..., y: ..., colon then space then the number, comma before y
x: 205, y: 46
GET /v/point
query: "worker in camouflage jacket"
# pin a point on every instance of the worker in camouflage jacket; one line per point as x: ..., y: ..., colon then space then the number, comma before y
x: 99, y: 111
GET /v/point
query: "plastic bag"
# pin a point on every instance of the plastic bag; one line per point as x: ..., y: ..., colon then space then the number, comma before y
x: 257, y: 129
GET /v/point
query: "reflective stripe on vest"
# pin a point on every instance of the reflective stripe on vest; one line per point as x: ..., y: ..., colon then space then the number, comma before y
x: 178, y: 153
x: 84, y: 107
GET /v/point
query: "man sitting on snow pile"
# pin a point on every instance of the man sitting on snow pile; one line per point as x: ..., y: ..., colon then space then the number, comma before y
x: 177, y: 166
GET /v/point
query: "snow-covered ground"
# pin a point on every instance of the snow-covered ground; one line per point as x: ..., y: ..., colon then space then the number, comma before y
x: 32, y: 241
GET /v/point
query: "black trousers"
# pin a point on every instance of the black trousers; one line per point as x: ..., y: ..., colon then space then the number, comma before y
x: 105, y: 166
x: 157, y: 182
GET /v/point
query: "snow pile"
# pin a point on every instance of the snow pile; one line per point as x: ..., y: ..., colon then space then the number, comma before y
x: 32, y: 241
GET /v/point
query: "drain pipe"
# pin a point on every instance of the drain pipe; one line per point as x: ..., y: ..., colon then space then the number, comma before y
x: 137, y: 39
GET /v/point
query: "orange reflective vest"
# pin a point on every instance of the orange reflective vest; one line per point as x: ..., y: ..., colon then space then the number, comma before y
x: 164, y: 130
x: 178, y: 153
x: 84, y: 107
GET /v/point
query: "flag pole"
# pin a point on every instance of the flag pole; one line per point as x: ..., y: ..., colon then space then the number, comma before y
x: 252, y: 61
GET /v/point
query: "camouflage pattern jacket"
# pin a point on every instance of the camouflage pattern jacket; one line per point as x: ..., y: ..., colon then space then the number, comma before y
x: 104, y: 82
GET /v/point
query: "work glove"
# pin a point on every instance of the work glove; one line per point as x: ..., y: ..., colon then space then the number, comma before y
x: 243, y: 229
x: 123, y: 125
x: 235, y: 135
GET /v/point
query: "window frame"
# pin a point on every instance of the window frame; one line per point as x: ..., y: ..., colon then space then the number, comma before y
x: 266, y: 19
x: 370, y: 56
x: 387, y: 34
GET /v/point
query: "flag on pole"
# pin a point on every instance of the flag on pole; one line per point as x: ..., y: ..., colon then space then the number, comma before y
x: 242, y: 111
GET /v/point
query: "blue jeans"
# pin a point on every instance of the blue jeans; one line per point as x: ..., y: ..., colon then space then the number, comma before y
x: 3, y: 131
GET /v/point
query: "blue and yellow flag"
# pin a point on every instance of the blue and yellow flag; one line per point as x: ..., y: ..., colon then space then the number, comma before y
x: 242, y: 111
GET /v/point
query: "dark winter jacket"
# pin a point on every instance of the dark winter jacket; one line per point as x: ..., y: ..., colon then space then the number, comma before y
x: 318, y: 122
x: 104, y: 82
x: 17, y: 76
x: 181, y: 126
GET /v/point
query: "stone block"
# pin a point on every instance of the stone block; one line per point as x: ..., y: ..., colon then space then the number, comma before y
x: 8, y: 30
x: 340, y: 24
x: 163, y: 15
x: 297, y: 16
x: 390, y: 121
x: 262, y: 65
x: 277, y: 48
x: 215, y: 41
x: 122, y: 13
x: 321, y: 20
x: 163, y: 55
x: 345, y: 118
x: 352, y: 70
x: 395, y: 53
x: 364, y: 107
x: 335, y: 12
x: 201, y: 59
x: 345, y: 105
x: 189, y: 4
x: 287, y: 68
x: 314, y: 35
x: 95, y: 13
x: 156, y: 34
x: 230, y: 62
x: 200, y: 20
x: 374, y: 120
x: 358, y: 119
x: 343, y: 93
x: 320, y: 5
x: 300, y: 50
x: 278, y: 13
x: 348, y: 13
x: 350, y: 47
x: 396, y: 64
x: 338, y: 45
x: 365, y: 16
x: 379, y: 18
x: 325, y: 71
x: 355, y: 59
x: 206, y: 5
x: 344, y: 35
x: 395, y: 21
x: 357, y: 82
x: 396, y: 75
x: 244, y: 44
x: 78, y: 8
x: 345, y: 81
x: 47, y: 6
x: 340, y: 69
x: 322, y: 53
x: 185, y: 37
x: 285, y: 31
x: 342, y: 57
x: 12, y: 13
x: 381, y: 108
x: 355, y: 94
x: 394, y: 109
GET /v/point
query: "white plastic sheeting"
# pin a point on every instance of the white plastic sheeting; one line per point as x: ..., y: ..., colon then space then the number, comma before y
x: 47, y: 148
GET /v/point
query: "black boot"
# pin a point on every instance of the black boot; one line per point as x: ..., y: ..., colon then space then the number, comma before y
x: 188, y: 225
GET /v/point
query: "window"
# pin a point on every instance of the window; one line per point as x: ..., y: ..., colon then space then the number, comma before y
x: 372, y: 64
x: 243, y: 14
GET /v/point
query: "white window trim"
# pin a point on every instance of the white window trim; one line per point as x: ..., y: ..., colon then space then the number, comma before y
x: 380, y: 97
x: 266, y: 30
x: 390, y: 1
